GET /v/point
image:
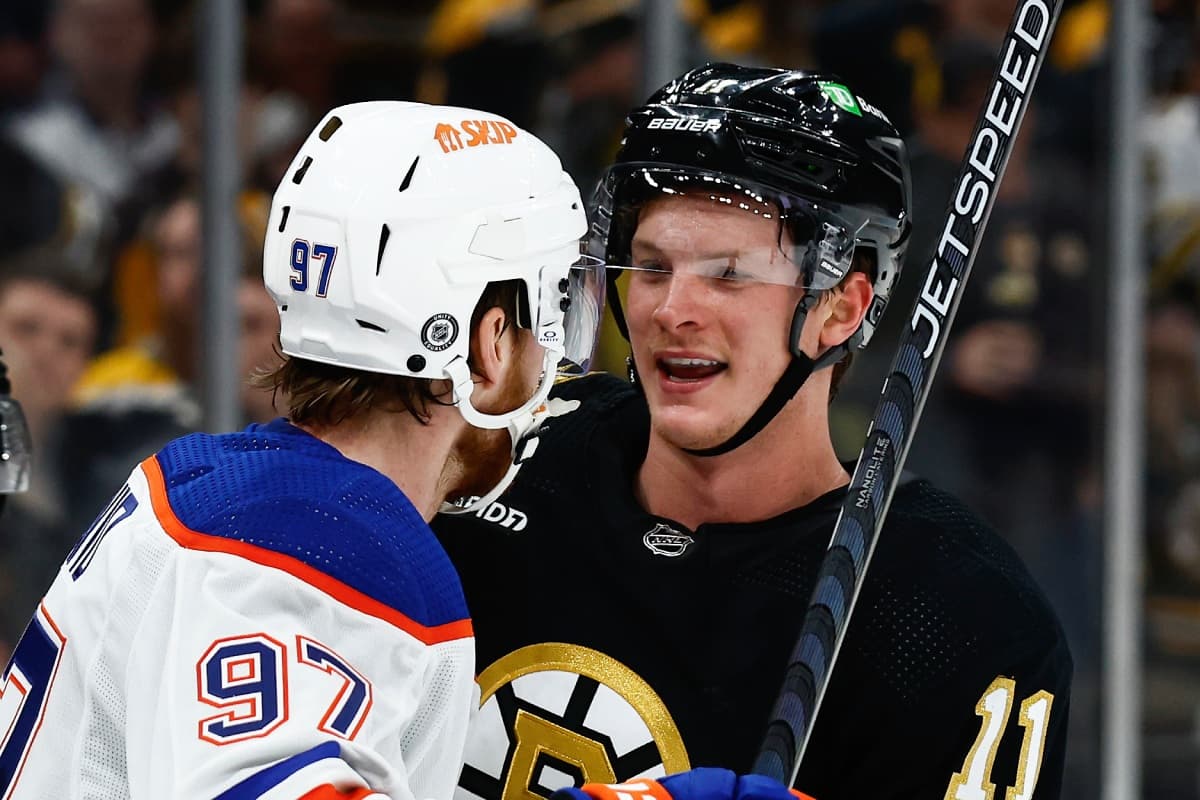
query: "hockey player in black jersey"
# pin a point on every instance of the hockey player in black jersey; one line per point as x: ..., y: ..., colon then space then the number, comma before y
x: 635, y: 614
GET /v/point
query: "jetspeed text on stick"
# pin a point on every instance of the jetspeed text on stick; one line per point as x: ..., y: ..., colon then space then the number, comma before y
x: 987, y: 155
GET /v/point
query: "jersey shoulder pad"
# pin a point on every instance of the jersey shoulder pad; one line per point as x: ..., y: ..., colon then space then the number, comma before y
x: 933, y: 534
x: 283, y: 499
x: 599, y: 395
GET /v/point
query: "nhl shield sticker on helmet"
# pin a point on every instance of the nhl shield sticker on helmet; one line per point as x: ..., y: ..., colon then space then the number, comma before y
x: 554, y: 715
x: 663, y: 540
x: 439, y: 332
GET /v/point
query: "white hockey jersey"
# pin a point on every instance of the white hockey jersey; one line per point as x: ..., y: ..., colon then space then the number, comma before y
x: 253, y: 615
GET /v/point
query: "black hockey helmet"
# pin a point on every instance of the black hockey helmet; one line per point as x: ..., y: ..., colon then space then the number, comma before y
x: 800, y: 145
x: 831, y: 162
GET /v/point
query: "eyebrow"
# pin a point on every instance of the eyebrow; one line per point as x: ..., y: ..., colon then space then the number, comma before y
x: 654, y: 250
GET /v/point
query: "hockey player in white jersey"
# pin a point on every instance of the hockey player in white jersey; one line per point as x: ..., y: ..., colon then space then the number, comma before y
x: 266, y: 613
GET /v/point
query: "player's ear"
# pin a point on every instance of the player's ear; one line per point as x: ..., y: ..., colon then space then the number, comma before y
x: 492, y: 346
x: 848, y: 304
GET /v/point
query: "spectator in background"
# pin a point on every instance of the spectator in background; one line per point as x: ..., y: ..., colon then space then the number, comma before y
x: 571, y: 69
x: 271, y: 127
x: 596, y: 52
x: 259, y: 346
x: 466, y: 41
x: 36, y: 208
x: 48, y: 327
x: 136, y: 397
x: 1015, y: 396
x: 36, y: 205
x: 95, y: 124
x: 1171, y: 137
x: 1173, y: 441
x: 23, y: 54
x: 297, y: 52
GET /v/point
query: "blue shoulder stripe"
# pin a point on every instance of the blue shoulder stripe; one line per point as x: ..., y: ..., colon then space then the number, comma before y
x: 267, y: 779
x: 278, y: 489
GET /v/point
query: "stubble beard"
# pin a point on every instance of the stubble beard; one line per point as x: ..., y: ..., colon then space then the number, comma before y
x: 484, y: 456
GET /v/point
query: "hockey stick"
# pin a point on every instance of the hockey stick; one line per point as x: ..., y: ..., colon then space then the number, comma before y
x: 904, y: 393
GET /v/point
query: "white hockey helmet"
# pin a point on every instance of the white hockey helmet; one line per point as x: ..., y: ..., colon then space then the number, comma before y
x: 390, y: 222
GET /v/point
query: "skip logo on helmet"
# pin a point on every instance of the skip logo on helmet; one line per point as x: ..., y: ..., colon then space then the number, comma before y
x: 473, y: 133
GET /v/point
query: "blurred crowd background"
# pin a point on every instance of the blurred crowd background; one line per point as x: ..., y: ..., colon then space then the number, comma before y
x: 101, y: 248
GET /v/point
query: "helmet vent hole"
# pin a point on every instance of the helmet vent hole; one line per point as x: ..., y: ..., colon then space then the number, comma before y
x: 283, y: 218
x: 371, y: 326
x: 416, y: 363
x: 283, y: 307
x: 299, y: 176
x: 330, y: 127
x: 408, y: 178
x: 384, y: 234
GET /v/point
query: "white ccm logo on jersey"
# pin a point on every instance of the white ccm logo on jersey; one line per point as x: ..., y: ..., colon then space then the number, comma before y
x: 685, y: 124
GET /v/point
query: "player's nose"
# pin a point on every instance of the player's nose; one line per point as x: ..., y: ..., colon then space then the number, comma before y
x: 684, y: 300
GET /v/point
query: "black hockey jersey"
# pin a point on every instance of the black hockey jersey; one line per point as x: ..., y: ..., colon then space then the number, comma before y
x: 613, y: 643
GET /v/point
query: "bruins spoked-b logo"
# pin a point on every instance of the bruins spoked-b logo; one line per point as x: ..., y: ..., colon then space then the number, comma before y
x: 439, y: 332
x: 554, y: 715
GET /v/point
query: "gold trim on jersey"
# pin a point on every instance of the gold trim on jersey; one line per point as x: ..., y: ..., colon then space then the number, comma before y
x: 534, y: 735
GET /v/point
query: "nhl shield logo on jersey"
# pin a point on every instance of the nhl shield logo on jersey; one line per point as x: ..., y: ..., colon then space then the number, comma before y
x: 554, y: 715
x: 663, y: 540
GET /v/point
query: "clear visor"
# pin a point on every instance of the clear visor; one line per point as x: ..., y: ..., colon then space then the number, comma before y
x: 569, y: 313
x: 661, y: 221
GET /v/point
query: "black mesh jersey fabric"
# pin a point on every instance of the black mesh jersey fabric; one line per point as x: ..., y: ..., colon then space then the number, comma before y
x: 946, y: 610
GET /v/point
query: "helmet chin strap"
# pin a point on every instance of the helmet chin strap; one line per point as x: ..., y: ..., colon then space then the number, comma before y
x: 523, y: 431
x: 523, y: 424
x: 794, y: 375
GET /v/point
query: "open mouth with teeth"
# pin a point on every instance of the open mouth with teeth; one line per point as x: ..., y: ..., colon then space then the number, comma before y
x: 689, y: 370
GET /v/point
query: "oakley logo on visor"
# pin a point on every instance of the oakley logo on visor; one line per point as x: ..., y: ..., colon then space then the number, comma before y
x: 477, y: 132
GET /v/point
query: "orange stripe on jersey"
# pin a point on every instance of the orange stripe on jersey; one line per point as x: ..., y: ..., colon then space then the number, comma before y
x: 328, y: 792
x: 801, y: 795
x: 633, y: 790
x: 194, y: 540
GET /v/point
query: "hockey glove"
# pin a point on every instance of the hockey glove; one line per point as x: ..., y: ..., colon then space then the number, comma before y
x: 702, y: 783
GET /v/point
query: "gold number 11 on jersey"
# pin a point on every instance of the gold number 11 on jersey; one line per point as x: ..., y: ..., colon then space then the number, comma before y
x: 973, y: 781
